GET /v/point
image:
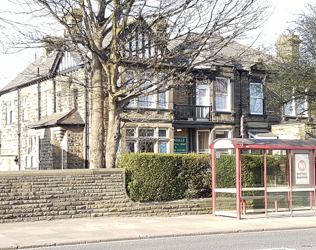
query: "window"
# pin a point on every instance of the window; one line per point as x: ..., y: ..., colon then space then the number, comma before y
x: 163, y: 147
x: 25, y: 113
x: 256, y: 99
x: 146, y: 146
x: 49, y: 103
x: 296, y: 108
x: 301, y: 107
x: 162, y: 97
x: 162, y: 133
x: 147, y: 101
x: 130, y: 146
x: 289, y: 108
x: 203, y: 142
x: 223, y: 94
x: 130, y: 74
x: 146, y: 132
x: 10, y: 112
x: 150, y: 140
x: 220, y: 134
x: 130, y: 132
x: 31, y: 151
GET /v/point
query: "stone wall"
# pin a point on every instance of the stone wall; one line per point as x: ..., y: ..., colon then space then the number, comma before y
x: 59, y: 194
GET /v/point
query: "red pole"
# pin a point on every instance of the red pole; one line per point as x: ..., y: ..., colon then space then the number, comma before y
x: 242, y: 130
x: 314, y: 182
x: 290, y: 166
x: 238, y: 189
x: 265, y: 183
x: 213, y: 181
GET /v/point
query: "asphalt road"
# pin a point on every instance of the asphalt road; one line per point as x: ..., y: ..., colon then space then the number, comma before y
x: 278, y: 240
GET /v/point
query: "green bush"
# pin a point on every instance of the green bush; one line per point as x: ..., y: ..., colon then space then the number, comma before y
x: 162, y: 177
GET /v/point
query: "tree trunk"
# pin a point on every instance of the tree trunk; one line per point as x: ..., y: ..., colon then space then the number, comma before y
x: 113, y: 134
x: 97, y: 121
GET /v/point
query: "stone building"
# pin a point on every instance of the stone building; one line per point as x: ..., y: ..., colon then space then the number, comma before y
x: 46, y: 110
x: 44, y: 114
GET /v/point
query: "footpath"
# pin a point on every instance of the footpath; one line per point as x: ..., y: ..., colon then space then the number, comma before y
x: 101, y: 229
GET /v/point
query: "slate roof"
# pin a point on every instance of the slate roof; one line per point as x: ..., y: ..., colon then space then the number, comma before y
x: 219, y: 51
x: 59, y: 119
x: 39, y: 69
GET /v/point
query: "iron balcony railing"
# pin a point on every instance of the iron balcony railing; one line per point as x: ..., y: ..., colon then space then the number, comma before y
x: 193, y: 113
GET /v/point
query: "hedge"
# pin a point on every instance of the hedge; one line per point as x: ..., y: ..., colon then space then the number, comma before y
x: 163, y: 177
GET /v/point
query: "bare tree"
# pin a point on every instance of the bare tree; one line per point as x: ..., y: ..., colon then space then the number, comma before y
x: 166, y: 38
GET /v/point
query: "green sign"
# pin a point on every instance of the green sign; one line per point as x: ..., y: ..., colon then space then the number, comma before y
x: 180, y: 145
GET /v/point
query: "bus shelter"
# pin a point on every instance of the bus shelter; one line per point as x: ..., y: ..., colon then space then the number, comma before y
x: 300, y: 157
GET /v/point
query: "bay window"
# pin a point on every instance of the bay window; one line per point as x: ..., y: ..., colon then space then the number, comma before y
x: 147, y: 140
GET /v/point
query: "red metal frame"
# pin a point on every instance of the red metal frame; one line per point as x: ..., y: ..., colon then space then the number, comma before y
x: 265, y: 183
x: 265, y: 147
x: 213, y: 180
x: 314, y: 181
x: 290, y: 169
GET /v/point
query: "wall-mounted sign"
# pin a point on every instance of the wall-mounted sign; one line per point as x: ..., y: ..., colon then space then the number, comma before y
x: 180, y: 145
x: 302, y: 169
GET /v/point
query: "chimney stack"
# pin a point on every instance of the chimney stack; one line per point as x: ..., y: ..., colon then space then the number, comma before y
x: 288, y: 48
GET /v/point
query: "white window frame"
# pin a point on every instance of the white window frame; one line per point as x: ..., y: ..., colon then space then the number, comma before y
x: 256, y: 98
x: 197, y: 141
x: 229, y: 151
x: 229, y: 95
x: 25, y: 109
x: 10, y: 112
x: 291, y: 106
x: 304, y: 104
x: 49, y: 103
x: 137, y: 139
x: 162, y: 104
x: 132, y: 103
x: 150, y: 100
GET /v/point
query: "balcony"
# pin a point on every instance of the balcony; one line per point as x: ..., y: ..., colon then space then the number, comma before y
x: 192, y: 113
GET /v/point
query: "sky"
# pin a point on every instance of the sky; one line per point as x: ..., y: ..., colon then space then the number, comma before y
x: 283, y: 12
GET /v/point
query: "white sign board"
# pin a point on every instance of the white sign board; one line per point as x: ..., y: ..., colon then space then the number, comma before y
x: 302, y: 169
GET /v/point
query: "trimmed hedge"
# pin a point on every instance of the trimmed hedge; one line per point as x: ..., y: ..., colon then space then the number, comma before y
x: 163, y: 177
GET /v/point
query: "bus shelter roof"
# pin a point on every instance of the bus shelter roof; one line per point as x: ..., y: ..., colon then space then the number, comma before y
x: 276, y: 144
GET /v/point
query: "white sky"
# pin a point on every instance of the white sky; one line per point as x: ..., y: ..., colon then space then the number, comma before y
x: 283, y: 12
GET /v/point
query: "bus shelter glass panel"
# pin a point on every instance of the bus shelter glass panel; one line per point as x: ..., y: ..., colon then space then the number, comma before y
x: 278, y: 183
x: 226, y: 185
x: 302, y: 173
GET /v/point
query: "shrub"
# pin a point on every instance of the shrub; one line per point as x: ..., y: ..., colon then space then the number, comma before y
x: 162, y: 177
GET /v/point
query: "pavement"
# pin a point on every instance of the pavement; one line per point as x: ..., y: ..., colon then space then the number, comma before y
x: 101, y: 229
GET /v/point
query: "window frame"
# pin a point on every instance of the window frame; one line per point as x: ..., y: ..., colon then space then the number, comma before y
x: 10, y: 112
x: 229, y: 95
x: 155, y: 139
x: 197, y: 141
x: 256, y: 98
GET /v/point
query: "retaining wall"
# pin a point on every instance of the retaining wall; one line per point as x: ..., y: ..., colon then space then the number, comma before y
x: 58, y: 194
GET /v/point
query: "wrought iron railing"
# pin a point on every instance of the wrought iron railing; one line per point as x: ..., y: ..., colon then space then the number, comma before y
x: 190, y: 112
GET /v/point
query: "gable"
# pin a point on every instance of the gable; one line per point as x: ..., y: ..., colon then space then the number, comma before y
x: 68, y: 62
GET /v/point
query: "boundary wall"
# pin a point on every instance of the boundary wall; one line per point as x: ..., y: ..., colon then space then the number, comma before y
x: 61, y: 194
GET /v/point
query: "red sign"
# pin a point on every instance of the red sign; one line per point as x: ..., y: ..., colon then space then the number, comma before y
x: 301, y: 165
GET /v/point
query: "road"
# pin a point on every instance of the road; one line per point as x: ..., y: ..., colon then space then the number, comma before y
x: 281, y: 240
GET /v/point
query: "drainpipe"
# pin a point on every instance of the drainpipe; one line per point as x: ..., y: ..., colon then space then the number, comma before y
x: 54, y: 86
x: 86, y: 119
x: 19, y: 129
x: 38, y: 100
